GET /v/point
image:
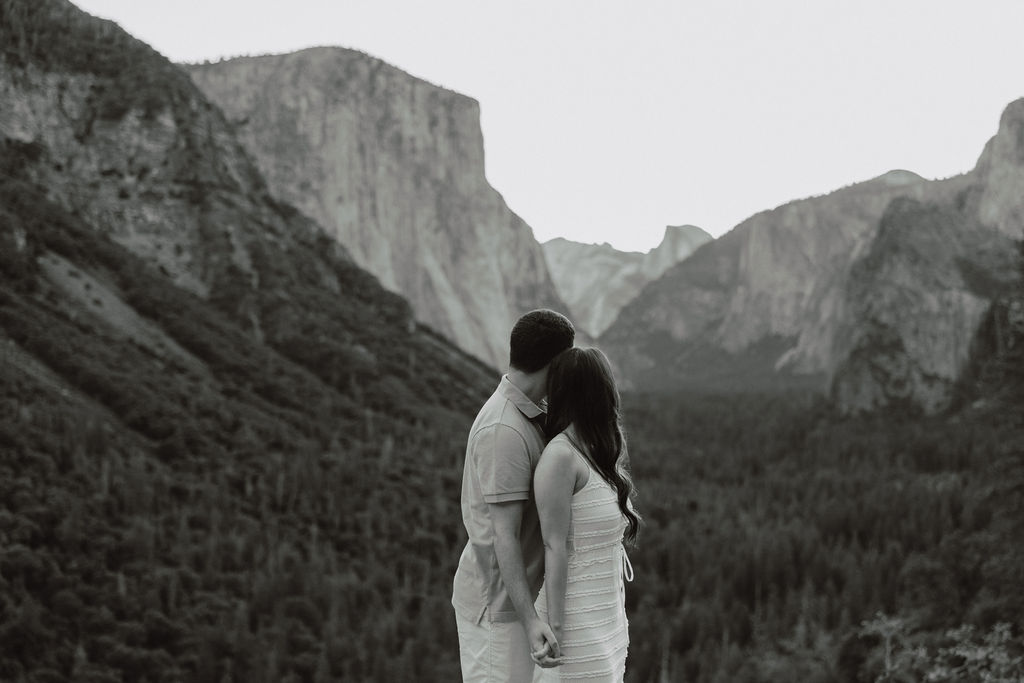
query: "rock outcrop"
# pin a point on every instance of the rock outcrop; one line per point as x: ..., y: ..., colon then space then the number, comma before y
x: 998, y: 193
x: 873, y: 291
x: 597, y: 280
x: 124, y: 143
x: 915, y: 302
x: 775, y: 279
x: 149, y: 178
x: 393, y: 168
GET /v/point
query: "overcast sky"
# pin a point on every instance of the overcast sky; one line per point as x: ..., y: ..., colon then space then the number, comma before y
x: 606, y: 121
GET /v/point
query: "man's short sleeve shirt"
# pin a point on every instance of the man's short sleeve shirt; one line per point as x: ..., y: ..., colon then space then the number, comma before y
x: 502, y: 451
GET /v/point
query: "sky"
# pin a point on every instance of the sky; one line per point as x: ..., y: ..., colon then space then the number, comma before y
x: 605, y: 121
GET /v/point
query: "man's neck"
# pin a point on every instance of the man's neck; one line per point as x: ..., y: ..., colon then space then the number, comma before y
x: 532, y: 384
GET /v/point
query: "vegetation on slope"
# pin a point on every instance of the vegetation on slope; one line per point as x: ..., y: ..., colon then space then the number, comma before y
x: 249, y: 517
x: 784, y: 543
x: 259, y: 521
x: 54, y: 35
x: 778, y: 534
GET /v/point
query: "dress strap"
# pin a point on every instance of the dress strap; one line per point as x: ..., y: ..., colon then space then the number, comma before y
x: 592, y: 471
x: 627, y: 566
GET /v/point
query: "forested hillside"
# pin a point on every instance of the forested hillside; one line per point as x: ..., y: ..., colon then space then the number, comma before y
x: 784, y: 543
x: 776, y: 537
x: 180, y: 502
x: 243, y: 519
x: 216, y: 429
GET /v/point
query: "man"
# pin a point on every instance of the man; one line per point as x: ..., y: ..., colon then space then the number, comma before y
x: 502, y: 567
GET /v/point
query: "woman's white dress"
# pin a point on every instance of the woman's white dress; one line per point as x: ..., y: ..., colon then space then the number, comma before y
x: 595, y: 632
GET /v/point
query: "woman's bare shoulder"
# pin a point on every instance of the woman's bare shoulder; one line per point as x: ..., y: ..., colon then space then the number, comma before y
x: 560, y: 453
x: 559, y: 447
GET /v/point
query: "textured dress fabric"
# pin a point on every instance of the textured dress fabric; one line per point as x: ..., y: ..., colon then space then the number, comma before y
x: 595, y: 633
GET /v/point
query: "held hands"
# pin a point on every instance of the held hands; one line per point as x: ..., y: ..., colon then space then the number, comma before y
x: 543, y: 644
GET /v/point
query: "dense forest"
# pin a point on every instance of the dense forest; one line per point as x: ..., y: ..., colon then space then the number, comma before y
x: 180, y: 501
x: 262, y: 521
x: 782, y: 542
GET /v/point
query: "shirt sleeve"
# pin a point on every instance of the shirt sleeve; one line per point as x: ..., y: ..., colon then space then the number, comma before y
x: 503, y: 464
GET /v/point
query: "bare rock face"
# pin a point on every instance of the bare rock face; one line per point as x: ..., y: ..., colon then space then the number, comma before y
x: 874, y: 292
x: 772, y: 286
x: 146, y: 177
x: 104, y: 134
x: 597, y: 280
x: 393, y: 168
x: 999, y: 197
x: 916, y: 301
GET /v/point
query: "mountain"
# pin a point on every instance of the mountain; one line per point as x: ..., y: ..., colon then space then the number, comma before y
x: 219, y: 436
x: 597, y: 280
x: 723, y: 317
x: 918, y: 299
x: 915, y: 303
x: 122, y: 140
x: 393, y: 168
x: 874, y: 291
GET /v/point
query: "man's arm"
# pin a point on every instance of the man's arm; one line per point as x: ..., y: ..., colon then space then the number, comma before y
x: 507, y: 518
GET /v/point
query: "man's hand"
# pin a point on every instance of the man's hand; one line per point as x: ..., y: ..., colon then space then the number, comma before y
x: 543, y: 644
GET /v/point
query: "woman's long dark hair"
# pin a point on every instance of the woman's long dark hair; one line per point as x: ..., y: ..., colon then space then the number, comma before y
x: 582, y: 394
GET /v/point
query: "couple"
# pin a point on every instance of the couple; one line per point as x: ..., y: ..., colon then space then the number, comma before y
x: 538, y: 594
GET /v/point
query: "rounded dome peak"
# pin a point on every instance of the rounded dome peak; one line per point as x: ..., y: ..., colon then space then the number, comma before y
x: 898, y: 177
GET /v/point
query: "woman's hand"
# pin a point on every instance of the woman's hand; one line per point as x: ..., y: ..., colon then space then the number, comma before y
x: 557, y: 630
x: 543, y: 644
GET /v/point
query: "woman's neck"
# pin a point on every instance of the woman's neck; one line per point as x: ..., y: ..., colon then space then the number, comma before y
x: 574, y: 437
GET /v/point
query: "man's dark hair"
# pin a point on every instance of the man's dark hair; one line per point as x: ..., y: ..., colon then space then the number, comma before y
x: 537, y: 337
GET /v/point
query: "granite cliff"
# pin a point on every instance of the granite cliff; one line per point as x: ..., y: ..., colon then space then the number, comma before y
x: 597, y: 280
x: 768, y: 287
x: 209, y: 414
x: 915, y: 302
x: 393, y: 168
x: 124, y: 142
x: 873, y: 292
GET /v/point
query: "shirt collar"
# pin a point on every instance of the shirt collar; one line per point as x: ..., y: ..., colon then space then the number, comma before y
x: 527, y: 407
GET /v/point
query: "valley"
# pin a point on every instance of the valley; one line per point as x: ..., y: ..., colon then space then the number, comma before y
x: 235, y: 387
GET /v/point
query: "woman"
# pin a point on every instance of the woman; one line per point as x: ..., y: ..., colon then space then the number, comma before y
x: 583, y: 493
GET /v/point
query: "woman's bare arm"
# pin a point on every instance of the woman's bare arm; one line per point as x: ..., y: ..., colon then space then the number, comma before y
x: 554, y: 482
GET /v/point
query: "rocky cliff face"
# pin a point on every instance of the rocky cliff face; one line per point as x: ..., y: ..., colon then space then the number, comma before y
x: 123, y: 139
x: 915, y: 302
x: 917, y: 299
x: 997, y: 197
x: 776, y: 277
x: 874, y: 291
x: 125, y: 143
x: 149, y: 178
x: 393, y: 167
x: 597, y: 280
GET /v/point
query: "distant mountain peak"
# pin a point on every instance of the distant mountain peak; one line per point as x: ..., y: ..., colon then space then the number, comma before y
x: 876, y: 287
x: 685, y: 229
x: 392, y: 167
x: 898, y: 177
x: 598, y: 280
